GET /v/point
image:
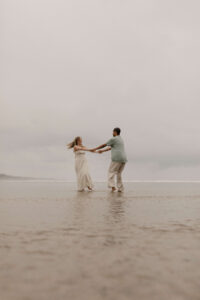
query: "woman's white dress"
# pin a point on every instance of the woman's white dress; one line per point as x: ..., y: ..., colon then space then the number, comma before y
x: 82, y: 172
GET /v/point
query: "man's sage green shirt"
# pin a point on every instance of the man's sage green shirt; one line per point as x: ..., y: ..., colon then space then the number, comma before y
x: 118, y: 153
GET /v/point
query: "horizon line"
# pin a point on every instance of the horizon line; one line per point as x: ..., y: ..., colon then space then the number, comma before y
x: 100, y: 181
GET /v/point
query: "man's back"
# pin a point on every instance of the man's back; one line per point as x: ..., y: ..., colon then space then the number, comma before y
x: 118, y: 153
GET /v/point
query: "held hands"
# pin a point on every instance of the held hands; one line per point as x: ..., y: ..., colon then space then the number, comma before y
x: 100, y: 151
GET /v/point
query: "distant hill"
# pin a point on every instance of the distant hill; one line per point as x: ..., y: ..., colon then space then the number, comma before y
x: 11, y: 177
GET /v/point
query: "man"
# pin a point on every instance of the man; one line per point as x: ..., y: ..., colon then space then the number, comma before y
x: 118, y: 156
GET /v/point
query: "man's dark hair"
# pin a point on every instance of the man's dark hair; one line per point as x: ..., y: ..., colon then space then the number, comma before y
x: 118, y: 130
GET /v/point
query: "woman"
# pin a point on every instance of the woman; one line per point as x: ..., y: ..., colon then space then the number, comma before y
x: 81, y: 166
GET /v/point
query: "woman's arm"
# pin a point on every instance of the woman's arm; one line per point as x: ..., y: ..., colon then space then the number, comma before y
x: 86, y: 149
x: 81, y: 148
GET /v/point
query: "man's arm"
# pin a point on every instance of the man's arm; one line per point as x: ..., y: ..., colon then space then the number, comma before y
x: 107, y: 149
x: 100, y: 147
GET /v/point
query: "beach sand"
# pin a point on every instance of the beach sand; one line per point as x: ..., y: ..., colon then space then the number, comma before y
x: 56, y: 243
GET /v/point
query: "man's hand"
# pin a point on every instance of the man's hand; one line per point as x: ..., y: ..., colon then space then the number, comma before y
x: 92, y: 150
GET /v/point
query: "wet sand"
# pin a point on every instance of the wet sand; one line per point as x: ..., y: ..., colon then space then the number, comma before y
x: 58, y: 244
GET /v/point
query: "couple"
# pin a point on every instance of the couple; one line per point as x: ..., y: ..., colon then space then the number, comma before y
x: 118, y: 156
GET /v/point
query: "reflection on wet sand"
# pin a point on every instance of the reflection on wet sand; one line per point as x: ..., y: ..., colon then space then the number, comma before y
x: 56, y: 243
x: 116, y: 210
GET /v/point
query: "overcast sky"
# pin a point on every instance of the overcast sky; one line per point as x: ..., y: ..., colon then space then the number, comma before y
x: 74, y: 67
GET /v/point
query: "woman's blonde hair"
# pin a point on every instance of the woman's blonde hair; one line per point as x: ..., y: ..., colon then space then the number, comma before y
x: 74, y: 143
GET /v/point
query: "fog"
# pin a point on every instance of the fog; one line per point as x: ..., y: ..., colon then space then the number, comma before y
x: 78, y: 67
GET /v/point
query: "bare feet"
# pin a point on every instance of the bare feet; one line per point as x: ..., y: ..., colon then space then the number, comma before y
x: 90, y: 189
x: 113, y: 189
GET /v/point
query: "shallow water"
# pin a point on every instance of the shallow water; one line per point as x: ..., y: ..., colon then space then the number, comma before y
x: 56, y: 243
